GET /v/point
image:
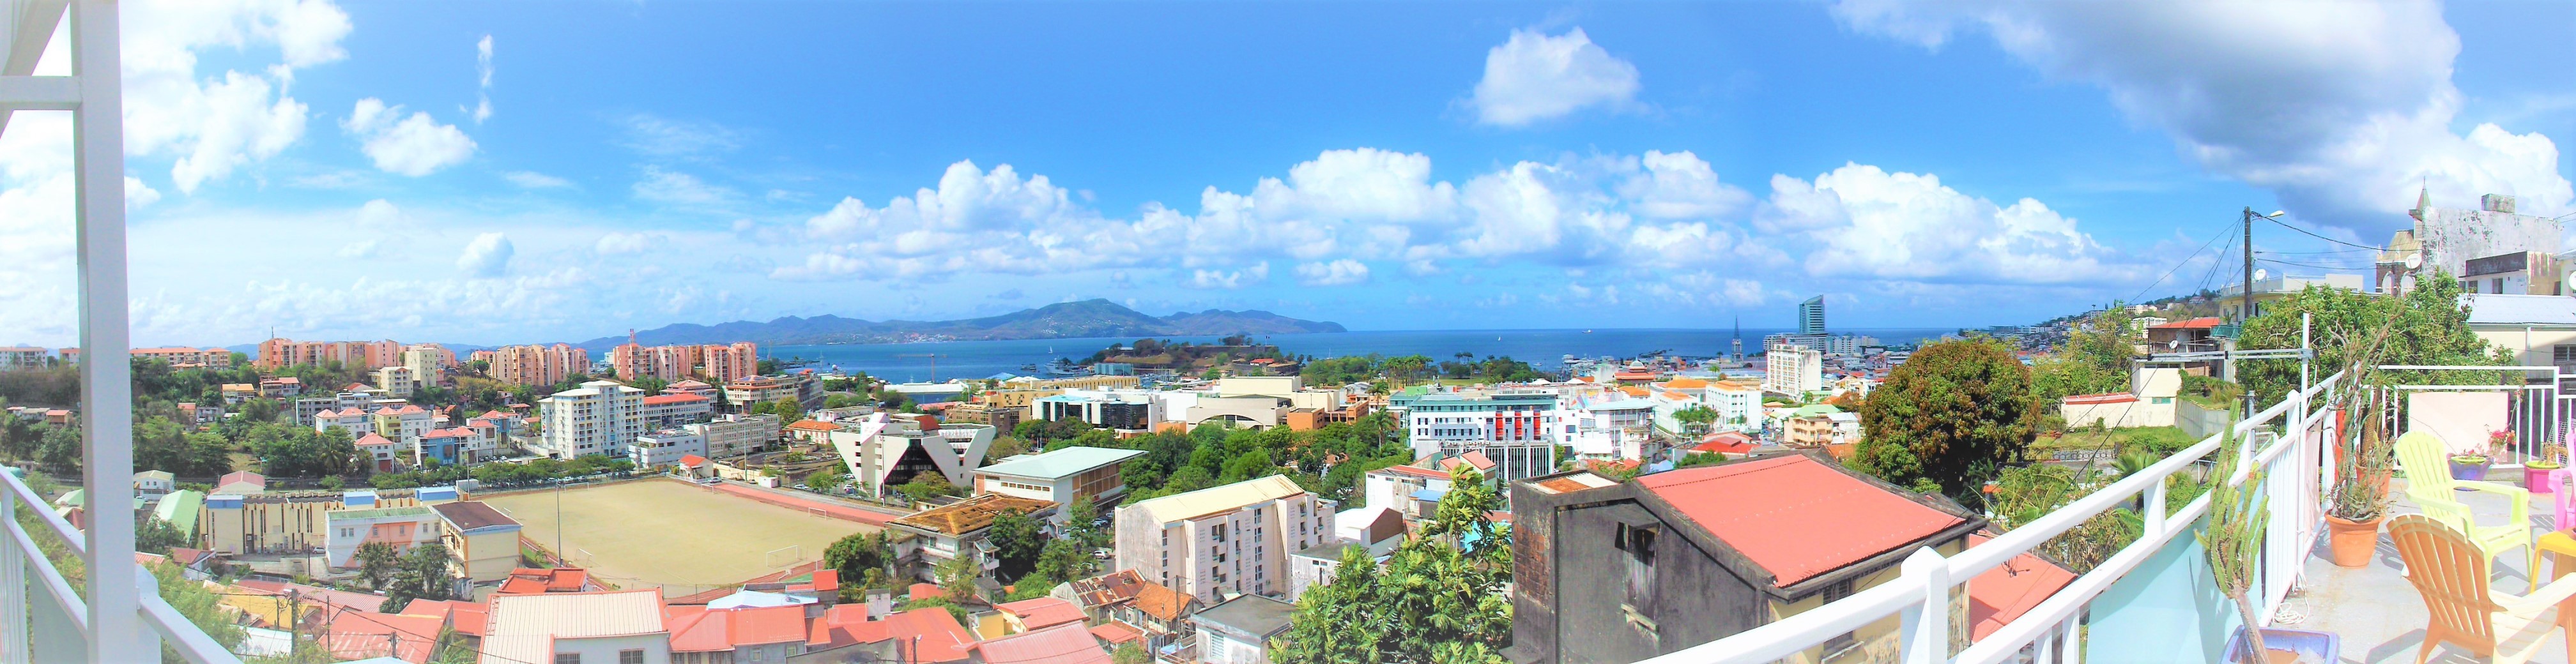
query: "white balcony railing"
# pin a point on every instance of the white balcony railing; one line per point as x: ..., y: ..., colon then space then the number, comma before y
x: 40, y: 597
x: 1921, y: 596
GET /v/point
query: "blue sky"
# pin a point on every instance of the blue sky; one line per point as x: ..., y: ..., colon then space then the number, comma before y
x: 359, y: 170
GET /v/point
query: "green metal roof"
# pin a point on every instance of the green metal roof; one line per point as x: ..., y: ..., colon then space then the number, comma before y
x: 1061, y: 463
x: 180, y: 509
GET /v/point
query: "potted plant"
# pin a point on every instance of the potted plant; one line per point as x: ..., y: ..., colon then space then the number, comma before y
x: 2358, y: 501
x: 2474, y: 466
x: 2535, y: 473
x: 2234, y: 542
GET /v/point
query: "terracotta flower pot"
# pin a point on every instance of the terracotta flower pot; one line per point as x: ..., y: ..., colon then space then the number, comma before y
x: 2352, y: 542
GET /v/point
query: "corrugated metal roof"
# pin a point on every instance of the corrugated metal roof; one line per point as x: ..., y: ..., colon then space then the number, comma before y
x: 1065, y: 462
x: 1212, y: 500
x: 2521, y: 310
x: 578, y: 615
x: 1815, y: 519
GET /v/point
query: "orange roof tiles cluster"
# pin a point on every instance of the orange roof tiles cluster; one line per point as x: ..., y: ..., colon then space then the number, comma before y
x: 1818, y: 518
x: 971, y: 514
x: 1162, y: 602
x: 530, y: 581
x: 1042, y: 612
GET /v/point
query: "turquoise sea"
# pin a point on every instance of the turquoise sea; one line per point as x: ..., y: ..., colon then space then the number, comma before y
x: 1544, y: 348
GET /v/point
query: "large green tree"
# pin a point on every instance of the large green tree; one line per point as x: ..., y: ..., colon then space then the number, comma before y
x: 859, y: 553
x: 1017, y: 540
x: 1948, y: 419
x: 1435, y: 602
x: 2426, y: 326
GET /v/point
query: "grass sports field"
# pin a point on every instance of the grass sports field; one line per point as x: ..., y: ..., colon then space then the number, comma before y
x: 670, y: 532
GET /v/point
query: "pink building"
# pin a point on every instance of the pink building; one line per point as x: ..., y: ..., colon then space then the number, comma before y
x: 538, y: 365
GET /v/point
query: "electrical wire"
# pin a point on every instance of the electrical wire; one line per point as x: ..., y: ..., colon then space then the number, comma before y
x: 2315, y: 253
x: 2308, y: 265
x: 2186, y: 260
x: 2213, y: 265
x: 2312, y: 234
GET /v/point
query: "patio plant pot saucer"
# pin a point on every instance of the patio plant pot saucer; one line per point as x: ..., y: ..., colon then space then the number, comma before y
x: 2311, y: 646
x: 2351, y: 543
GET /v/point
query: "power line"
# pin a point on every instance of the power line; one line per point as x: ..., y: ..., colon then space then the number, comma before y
x: 2195, y: 253
x: 2312, y: 234
x: 2316, y: 253
x: 2213, y: 265
x: 2309, y: 265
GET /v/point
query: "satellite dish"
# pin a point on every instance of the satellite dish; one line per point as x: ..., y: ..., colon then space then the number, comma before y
x: 2260, y: 275
x: 2414, y: 261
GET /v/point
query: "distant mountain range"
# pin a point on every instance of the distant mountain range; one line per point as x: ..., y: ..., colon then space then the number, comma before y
x: 1087, y: 318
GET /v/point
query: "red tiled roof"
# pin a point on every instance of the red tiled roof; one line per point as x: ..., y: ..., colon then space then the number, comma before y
x: 1416, y: 471
x: 1043, y: 612
x: 692, y: 460
x: 1162, y: 602
x: 922, y: 591
x: 1725, y: 442
x: 2004, y: 593
x: 1817, y: 518
x: 361, y: 634
x: 2201, y: 323
x: 939, y: 636
x: 667, y: 399
x: 1116, y: 633
x: 373, y: 440
x: 813, y: 425
x: 464, y: 617
x: 2109, y: 397
x: 1063, y: 644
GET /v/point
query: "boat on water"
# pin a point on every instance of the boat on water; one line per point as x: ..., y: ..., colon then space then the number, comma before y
x: 1032, y: 366
x: 1065, y: 367
x: 1570, y: 358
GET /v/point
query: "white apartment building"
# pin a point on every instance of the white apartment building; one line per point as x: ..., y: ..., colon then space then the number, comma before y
x: 1518, y: 428
x: 426, y: 361
x: 1738, y: 405
x: 1794, y: 370
x: 600, y: 417
x: 352, y: 420
x: 397, y: 380
x: 22, y: 357
x: 1123, y: 410
x: 1229, y: 539
x: 662, y: 411
x: 1621, y: 429
x: 665, y: 447
x: 736, y: 435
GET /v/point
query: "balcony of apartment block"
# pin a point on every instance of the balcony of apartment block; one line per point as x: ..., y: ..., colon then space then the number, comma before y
x: 78, y: 594
x: 2155, y: 600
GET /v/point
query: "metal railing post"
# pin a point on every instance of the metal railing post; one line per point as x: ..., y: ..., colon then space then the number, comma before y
x: 107, y: 387
x: 1927, y: 627
x: 13, y: 584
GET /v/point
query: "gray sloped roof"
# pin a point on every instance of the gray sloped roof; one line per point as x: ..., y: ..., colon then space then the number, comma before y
x: 2521, y: 310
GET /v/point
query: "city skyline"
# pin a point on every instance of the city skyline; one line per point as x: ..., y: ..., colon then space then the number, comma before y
x: 553, y: 173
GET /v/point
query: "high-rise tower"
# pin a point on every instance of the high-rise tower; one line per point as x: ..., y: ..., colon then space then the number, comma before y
x: 1811, y: 316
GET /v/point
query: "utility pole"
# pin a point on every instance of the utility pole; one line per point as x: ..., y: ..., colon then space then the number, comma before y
x: 2245, y: 311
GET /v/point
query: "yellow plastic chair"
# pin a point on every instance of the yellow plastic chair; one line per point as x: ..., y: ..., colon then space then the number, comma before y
x: 2429, y: 484
x: 2451, y: 573
x: 2493, y: 540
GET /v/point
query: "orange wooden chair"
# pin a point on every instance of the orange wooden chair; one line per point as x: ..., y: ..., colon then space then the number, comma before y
x: 2452, y: 574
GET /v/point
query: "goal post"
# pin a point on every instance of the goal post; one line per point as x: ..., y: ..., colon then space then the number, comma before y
x: 784, y: 557
x: 817, y: 511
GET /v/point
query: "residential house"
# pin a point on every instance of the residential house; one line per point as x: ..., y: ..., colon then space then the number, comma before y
x: 401, y: 527
x: 155, y: 483
x: 625, y: 627
x: 201, y: 414
x: 1609, y: 571
x: 1070, y: 643
x: 1160, y: 613
x: 381, y: 454
x: 482, y: 542
x: 1228, y: 539
x: 1034, y: 614
x: 2148, y: 403
x: 1317, y: 565
x: 810, y: 432
x: 750, y: 634
x: 450, y: 446
x: 957, y: 529
x: 666, y: 447
x: 1239, y: 630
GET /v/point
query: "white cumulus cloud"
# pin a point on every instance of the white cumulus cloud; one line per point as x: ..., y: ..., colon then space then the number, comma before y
x: 1343, y: 272
x: 2340, y: 108
x: 627, y: 243
x: 1535, y: 76
x: 535, y: 180
x: 487, y: 256
x: 677, y: 188
x: 1866, y: 222
x: 413, y: 146
x: 483, y: 88
x: 1251, y: 276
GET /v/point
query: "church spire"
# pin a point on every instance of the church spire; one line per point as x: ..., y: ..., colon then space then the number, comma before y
x: 2423, y: 201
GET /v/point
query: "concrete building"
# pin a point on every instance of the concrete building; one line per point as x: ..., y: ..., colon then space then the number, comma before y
x: 665, y: 447
x: 885, y: 450
x: 600, y: 417
x: 360, y: 355
x: 1794, y: 370
x: 22, y: 357
x: 481, y: 541
x: 1620, y: 572
x: 1609, y: 428
x: 625, y: 627
x: 732, y: 436
x: 1811, y: 316
x: 405, y: 424
x: 2449, y: 239
x: 1239, y: 630
x: 1229, y: 539
x: 182, y: 357
x: 2148, y: 403
x: 397, y: 380
x: 538, y: 365
x: 670, y: 410
x: 401, y: 527
x: 357, y: 422
x: 428, y: 362
x: 2231, y: 301
x: 238, y: 523
x: 800, y: 387
x: 1738, y: 405
x: 1061, y: 476
x: 1518, y: 428
x: 1120, y: 410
